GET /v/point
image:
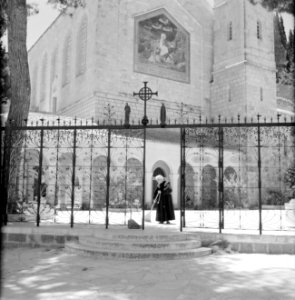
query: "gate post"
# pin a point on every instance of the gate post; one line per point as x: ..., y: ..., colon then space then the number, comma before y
x: 73, y: 176
x: 182, y: 178
x: 259, y: 175
x: 108, y: 179
x: 143, y: 175
x: 220, y: 179
x: 40, y: 175
x: 5, y: 164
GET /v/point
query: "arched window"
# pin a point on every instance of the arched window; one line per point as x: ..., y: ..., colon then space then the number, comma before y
x: 53, y: 82
x: 261, y: 94
x: 230, y: 31
x: 158, y: 171
x: 81, y: 52
x: 43, y: 83
x: 34, y: 99
x: 259, y: 30
x: 229, y: 93
x: 66, y: 60
x: 53, y: 66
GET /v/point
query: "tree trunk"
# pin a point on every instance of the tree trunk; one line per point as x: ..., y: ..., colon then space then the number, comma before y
x: 20, y: 94
x: 18, y: 61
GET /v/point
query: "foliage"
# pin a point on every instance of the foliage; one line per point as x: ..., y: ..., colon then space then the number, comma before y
x: 275, y: 197
x: 284, y: 53
x: 4, y: 71
x: 64, y: 5
x: 290, y: 177
x: 278, y: 5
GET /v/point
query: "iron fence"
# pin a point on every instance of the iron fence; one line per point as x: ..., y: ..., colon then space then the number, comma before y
x: 232, y: 173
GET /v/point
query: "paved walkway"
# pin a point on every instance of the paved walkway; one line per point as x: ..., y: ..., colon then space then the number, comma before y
x: 45, y: 274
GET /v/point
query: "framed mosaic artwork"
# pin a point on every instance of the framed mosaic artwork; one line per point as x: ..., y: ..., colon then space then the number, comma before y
x: 161, y: 46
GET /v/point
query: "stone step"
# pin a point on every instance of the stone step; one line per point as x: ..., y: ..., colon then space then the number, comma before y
x: 142, y: 236
x: 136, y: 254
x: 135, y: 244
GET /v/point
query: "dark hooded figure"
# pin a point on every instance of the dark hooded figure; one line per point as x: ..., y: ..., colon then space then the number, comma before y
x: 165, y: 209
x: 163, y: 115
x: 127, y: 114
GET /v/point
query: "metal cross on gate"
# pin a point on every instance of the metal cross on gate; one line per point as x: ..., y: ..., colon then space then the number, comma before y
x: 145, y: 94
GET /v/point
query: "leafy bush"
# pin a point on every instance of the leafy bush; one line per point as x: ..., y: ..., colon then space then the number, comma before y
x: 275, y: 197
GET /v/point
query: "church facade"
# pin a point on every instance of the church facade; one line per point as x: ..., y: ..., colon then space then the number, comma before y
x: 204, y: 62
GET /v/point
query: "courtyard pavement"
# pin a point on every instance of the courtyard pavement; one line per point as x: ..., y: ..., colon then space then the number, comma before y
x: 47, y: 274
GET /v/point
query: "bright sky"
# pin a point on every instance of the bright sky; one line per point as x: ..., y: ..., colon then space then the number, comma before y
x: 38, y: 23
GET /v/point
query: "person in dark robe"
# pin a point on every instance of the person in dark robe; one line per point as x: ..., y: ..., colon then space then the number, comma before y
x: 162, y: 194
x: 163, y: 115
x: 127, y: 115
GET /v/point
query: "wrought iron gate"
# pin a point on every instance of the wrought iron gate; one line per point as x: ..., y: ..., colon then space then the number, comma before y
x: 233, y: 176
x: 77, y: 174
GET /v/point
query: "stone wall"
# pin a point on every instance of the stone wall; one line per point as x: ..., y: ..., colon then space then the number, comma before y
x: 110, y: 71
x: 244, y: 66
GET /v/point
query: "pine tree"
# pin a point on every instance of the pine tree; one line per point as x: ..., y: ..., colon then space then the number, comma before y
x: 280, y: 50
x: 282, y: 32
x: 277, y: 5
x: 291, y: 46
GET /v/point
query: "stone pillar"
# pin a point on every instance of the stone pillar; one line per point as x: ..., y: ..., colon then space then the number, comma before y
x: 148, y: 188
x: 175, y: 189
x: 290, y: 214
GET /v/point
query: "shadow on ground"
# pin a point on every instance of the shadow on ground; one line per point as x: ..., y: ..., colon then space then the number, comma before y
x: 40, y: 273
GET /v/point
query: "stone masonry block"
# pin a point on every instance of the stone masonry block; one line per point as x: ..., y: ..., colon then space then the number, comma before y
x: 60, y: 239
x: 17, y: 237
x: 71, y: 238
x: 260, y: 248
x: 47, y: 239
x: 275, y: 249
x: 246, y: 248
